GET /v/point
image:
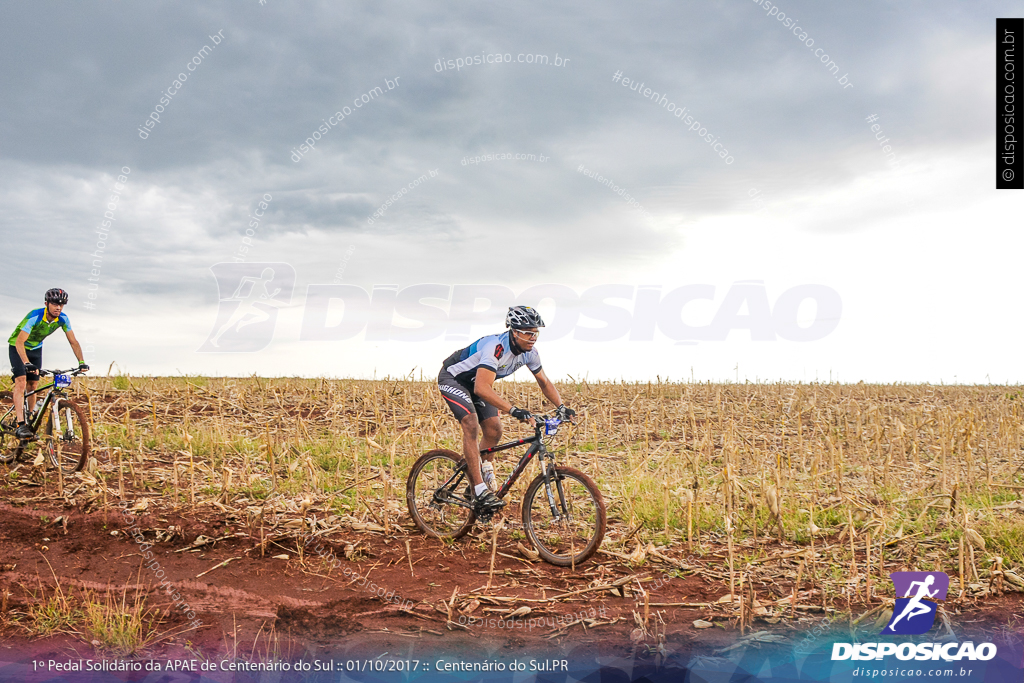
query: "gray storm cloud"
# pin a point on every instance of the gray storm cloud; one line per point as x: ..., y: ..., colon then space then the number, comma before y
x: 79, y: 81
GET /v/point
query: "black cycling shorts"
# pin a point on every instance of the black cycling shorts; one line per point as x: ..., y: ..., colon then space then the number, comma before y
x: 461, y: 400
x: 35, y: 356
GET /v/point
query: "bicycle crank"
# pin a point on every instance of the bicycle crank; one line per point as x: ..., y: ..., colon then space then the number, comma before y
x: 485, y: 517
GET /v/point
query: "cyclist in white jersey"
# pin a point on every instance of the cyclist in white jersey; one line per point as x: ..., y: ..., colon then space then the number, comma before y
x: 466, y: 382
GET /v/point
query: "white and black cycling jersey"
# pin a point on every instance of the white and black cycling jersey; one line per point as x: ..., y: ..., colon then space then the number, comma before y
x: 493, y: 352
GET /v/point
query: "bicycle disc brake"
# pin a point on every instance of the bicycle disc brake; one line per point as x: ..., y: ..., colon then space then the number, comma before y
x: 444, y: 496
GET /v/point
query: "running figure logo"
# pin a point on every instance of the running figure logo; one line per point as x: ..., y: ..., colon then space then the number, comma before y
x: 915, y: 613
x: 250, y: 295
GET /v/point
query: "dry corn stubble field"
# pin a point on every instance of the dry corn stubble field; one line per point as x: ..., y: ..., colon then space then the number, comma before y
x: 759, y: 508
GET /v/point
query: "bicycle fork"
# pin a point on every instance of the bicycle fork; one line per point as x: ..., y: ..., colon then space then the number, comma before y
x: 549, y: 476
x: 58, y: 429
x: 56, y: 420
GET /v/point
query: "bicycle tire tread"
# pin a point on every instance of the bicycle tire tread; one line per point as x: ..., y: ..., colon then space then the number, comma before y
x: 410, y: 495
x: 86, y: 436
x: 602, y: 518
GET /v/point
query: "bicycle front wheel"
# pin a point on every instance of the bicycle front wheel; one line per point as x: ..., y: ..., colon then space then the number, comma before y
x: 572, y: 533
x: 69, y: 449
x: 10, y: 447
x: 428, y: 493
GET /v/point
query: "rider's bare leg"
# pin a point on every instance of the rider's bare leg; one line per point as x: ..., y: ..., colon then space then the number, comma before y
x: 491, y: 427
x: 30, y: 387
x: 18, y: 393
x: 470, y: 448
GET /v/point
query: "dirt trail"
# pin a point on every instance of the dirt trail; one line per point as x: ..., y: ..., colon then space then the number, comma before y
x: 258, y: 605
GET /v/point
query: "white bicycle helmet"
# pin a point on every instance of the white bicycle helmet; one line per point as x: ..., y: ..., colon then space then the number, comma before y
x: 520, y: 317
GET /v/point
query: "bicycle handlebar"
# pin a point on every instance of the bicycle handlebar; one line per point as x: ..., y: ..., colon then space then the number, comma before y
x: 540, y: 420
x: 73, y: 373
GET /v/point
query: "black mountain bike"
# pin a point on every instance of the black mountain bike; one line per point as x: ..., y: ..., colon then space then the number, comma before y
x: 59, y: 427
x: 563, y: 510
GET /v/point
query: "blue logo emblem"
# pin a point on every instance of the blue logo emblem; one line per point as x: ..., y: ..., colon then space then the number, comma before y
x: 914, y: 613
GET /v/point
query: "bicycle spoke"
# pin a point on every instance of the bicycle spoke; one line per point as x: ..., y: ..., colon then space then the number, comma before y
x: 563, y: 529
x: 68, y: 446
x: 431, y: 506
x: 573, y: 532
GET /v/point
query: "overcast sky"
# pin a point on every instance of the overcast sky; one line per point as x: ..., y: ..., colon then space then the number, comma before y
x: 914, y: 268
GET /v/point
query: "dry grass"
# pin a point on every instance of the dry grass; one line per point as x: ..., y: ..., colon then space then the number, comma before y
x: 864, y: 479
x: 106, y: 620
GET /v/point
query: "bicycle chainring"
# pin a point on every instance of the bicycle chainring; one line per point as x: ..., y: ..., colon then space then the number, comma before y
x: 485, y: 516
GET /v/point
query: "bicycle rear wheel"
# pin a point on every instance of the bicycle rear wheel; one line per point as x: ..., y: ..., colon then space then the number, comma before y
x: 429, y: 504
x: 70, y: 449
x: 573, y: 534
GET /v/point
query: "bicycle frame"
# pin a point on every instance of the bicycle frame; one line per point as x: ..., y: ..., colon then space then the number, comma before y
x: 40, y: 413
x: 536, y: 446
x: 48, y: 400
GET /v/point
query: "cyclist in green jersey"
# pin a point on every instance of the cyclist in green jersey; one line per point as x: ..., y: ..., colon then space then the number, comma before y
x: 26, y: 351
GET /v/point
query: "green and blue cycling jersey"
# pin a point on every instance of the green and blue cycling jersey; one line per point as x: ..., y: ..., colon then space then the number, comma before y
x: 38, y: 328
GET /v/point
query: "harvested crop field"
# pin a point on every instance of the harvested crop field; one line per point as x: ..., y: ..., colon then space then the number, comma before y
x: 274, y: 512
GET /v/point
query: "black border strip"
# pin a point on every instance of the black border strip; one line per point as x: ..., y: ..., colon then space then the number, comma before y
x: 1009, y: 134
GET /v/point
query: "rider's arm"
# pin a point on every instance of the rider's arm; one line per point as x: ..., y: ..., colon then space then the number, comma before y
x: 19, y: 344
x: 483, y: 386
x: 75, y: 346
x: 547, y: 387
